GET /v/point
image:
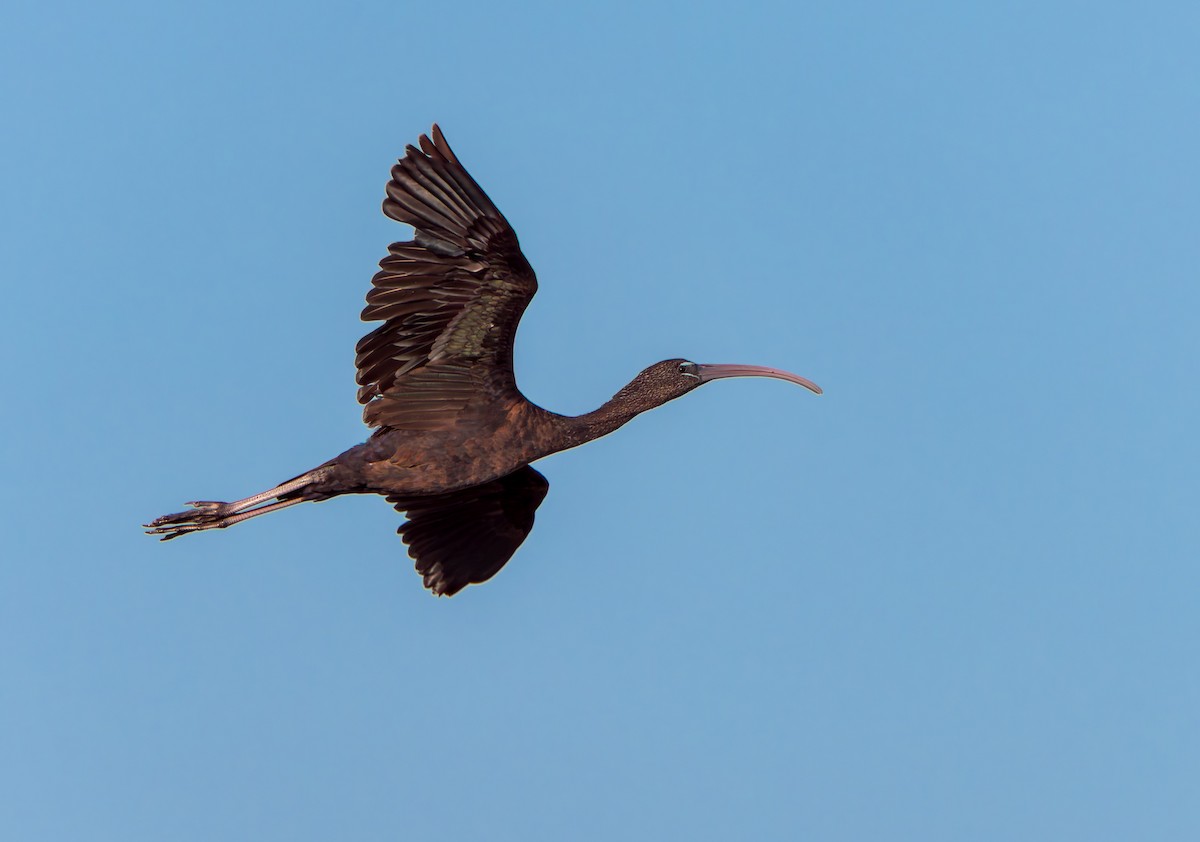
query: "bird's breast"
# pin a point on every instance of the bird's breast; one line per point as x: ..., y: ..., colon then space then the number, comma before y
x: 436, y: 462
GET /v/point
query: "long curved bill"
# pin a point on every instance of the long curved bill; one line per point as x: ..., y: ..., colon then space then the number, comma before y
x: 716, y: 372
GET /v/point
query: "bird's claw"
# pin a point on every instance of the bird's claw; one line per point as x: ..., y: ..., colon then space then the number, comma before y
x: 202, y: 511
x: 167, y: 531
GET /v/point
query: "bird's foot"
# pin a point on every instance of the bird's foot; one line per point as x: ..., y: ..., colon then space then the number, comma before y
x: 204, y: 514
x: 174, y: 531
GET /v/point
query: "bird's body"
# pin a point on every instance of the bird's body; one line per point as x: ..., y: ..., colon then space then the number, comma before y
x: 423, y: 462
x: 420, y: 462
x: 455, y: 437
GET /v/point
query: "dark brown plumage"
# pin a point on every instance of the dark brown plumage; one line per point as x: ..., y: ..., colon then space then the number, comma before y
x: 454, y: 435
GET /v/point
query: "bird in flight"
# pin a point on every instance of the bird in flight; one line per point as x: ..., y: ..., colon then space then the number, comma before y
x: 454, y: 437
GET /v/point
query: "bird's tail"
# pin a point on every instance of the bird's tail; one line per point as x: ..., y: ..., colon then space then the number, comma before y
x: 209, y: 514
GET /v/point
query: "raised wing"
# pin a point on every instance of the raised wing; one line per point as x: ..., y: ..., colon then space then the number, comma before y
x: 449, y: 299
x: 465, y: 537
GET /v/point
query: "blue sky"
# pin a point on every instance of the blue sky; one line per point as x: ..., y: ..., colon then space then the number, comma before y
x: 953, y: 598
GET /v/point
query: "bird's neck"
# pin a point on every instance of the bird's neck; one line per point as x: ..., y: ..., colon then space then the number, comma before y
x: 579, y: 429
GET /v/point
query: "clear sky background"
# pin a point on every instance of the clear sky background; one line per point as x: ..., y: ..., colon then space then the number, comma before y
x: 953, y: 598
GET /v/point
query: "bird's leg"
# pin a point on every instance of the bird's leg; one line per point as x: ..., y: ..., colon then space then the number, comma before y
x: 201, y: 521
x: 210, y: 511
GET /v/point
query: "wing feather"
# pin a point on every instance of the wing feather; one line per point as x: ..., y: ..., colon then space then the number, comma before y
x: 450, y: 299
x: 465, y: 537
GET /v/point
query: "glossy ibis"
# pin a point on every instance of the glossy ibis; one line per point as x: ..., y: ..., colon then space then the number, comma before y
x: 454, y: 436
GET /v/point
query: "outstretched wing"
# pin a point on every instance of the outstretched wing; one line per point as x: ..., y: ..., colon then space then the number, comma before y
x: 449, y: 299
x: 465, y: 537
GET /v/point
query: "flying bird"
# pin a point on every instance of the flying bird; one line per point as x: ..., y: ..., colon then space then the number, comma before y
x: 454, y: 437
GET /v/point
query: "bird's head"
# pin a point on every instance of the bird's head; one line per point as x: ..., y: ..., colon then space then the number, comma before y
x: 669, y: 379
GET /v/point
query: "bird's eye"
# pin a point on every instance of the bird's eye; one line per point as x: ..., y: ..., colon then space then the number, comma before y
x: 689, y: 370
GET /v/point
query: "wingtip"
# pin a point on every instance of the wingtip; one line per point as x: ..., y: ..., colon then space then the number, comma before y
x: 439, y: 141
x: 429, y: 142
